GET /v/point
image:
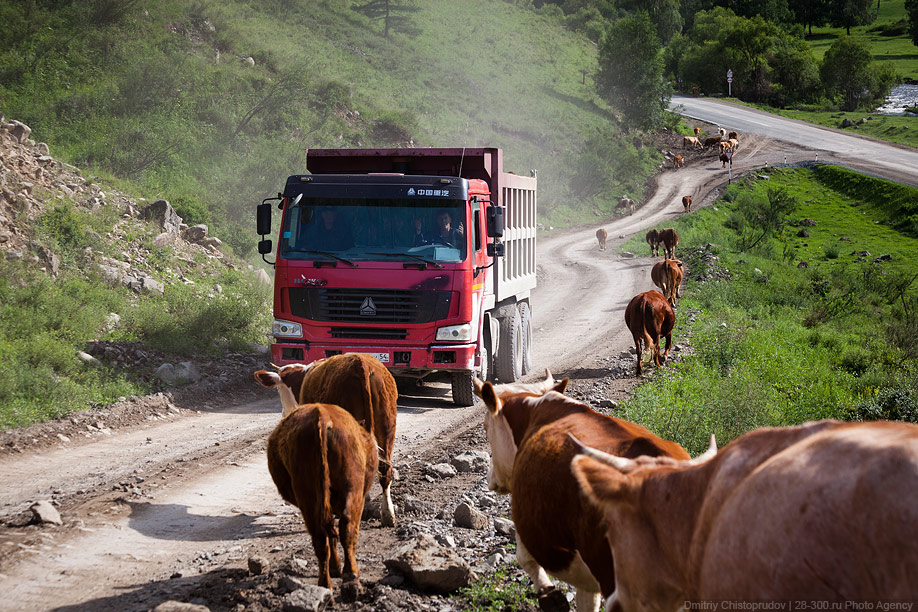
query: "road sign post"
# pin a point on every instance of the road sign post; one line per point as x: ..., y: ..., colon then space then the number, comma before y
x: 729, y: 82
x: 729, y: 166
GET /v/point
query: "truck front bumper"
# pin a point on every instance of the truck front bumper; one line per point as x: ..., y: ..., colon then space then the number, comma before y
x: 419, y: 358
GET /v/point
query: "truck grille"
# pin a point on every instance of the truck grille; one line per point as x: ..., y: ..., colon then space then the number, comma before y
x: 369, y: 332
x: 401, y: 306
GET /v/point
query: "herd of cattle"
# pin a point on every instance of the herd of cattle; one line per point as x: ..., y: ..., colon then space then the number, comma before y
x: 824, y: 513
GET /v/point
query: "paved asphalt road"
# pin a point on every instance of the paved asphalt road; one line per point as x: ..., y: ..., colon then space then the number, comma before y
x: 893, y: 161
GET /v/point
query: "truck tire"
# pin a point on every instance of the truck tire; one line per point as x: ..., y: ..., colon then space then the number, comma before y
x: 509, y: 363
x: 526, y: 323
x: 463, y: 389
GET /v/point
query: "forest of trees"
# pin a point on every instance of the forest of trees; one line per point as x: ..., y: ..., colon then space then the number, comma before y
x: 688, y: 45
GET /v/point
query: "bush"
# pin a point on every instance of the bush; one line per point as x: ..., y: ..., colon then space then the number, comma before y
x: 898, y: 403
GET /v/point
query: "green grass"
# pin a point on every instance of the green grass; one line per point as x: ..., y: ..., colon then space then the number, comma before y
x: 161, y: 97
x: 778, y: 344
x: 897, y: 50
x: 506, y: 588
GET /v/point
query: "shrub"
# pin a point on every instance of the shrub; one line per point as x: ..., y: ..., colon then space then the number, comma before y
x: 899, y: 403
x: 832, y: 251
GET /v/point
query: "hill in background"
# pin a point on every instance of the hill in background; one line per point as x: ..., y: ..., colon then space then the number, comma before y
x: 212, y: 104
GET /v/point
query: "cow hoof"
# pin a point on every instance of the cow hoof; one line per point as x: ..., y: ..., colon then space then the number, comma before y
x: 350, y: 590
x: 553, y: 600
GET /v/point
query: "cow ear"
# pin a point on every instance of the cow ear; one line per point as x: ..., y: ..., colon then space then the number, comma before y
x: 560, y: 386
x: 490, y: 398
x: 267, y: 379
x: 477, y: 384
x: 602, y: 484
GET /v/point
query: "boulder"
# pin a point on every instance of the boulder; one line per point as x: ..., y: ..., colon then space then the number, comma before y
x: 471, y: 461
x: 44, y: 512
x: 195, y: 234
x: 429, y: 566
x: 311, y: 598
x: 162, y: 213
x: 469, y: 518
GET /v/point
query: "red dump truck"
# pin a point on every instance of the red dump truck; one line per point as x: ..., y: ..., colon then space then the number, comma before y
x: 424, y: 258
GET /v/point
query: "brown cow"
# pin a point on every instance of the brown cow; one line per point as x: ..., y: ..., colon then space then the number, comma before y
x: 713, y: 141
x: 669, y: 239
x: 601, y: 236
x: 556, y: 532
x: 652, y: 238
x: 687, y: 203
x: 358, y: 383
x: 697, y: 131
x: 678, y: 162
x: 724, y: 160
x: 732, y: 136
x: 650, y: 317
x: 323, y: 462
x: 826, y: 511
x: 625, y: 203
x: 667, y: 275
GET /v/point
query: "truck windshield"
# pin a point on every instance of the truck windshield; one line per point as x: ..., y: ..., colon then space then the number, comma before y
x: 433, y: 230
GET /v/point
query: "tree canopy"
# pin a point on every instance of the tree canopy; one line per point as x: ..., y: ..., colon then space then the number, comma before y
x: 631, y: 71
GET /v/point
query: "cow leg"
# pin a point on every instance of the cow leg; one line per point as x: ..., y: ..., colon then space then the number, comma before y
x: 320, y: 546
x: 349, y: 528
x: 587, y: 601
x: 551, y: 599
x: 385, y: 481
x: 669, y: 343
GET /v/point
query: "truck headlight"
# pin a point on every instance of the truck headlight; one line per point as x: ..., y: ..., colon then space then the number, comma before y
x: 455, y: 333
x: 286, y: 329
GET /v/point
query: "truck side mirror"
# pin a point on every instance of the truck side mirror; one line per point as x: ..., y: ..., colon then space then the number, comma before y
x: 263, y: 219
x: 495, y: 222
x: 495, y: 249
x: 264, y: 246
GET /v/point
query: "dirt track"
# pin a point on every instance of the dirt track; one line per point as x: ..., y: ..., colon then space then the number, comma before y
x: 149, y: 510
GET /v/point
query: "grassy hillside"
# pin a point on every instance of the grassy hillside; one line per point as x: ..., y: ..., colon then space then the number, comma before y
x: 163, y: 93
x: 887, y: 38
x: 814, y: 322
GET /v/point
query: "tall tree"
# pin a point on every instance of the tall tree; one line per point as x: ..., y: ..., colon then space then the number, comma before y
x: 846, y: 71
x: 809, y: 13
x: 848, y: 13
x: 631, y: 71
x: 911, y: 8
x: 395, y: 14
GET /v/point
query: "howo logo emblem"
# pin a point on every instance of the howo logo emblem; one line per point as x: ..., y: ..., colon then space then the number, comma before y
x: 368, y: 308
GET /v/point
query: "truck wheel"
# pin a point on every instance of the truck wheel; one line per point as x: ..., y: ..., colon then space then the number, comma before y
x: 509, y: 363
x: 463, y: 389
x: 526, y: 323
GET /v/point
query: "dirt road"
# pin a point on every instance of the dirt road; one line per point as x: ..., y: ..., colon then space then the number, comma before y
x: 148, y: 510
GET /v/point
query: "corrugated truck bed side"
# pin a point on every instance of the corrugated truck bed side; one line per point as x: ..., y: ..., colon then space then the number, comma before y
x: 516, y: 271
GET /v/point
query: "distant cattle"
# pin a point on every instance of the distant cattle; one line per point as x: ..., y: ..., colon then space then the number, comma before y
x: 713, y: 141
x: 650, y: 317
x: 825, y: 511
x: 732, y: 136
x: 601, y: 236
x: 734, y: 144
x: 652, y: 238
x: 724, y: 146
x: 669, y: 239
x: 358, y: 383
x: 691, y: 141
x: 697, y: 131
x: 323, y: 462
x: 687, y: 203
x: 556, y: 532
x: 625, y: 203
x: 667, y: 275
x: 724, y: 159
x: 678, y: 161
x: 722, y: 132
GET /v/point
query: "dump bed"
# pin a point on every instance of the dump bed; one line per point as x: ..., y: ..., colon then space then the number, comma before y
x: 515, y: 273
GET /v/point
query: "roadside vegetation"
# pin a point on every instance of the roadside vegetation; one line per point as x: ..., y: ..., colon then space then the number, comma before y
x: 47, y: 321
x: 776, y: 341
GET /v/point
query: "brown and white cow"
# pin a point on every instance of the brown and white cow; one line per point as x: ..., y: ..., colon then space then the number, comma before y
x: 358, y: 383
x: 323, y: 462
x: 669, y: 239
x: 687, y: 203
x: 556, y: 532
x: 678, y: 161
x: 826, y: 511
x: 667, y: 275
x: 652, y: 238
x: 601, y: 236
x: 650, y: 317
x: 625, y: 203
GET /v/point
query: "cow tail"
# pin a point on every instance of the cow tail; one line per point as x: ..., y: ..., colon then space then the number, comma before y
x: 327, y: 517
x: 648, y: 323
x: 369, y: 400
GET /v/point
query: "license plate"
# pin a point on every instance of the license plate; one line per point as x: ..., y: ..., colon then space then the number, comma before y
x: 383, y: 357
